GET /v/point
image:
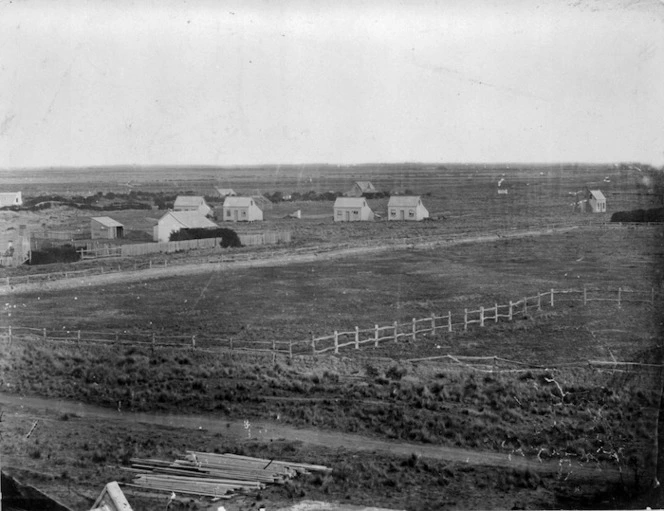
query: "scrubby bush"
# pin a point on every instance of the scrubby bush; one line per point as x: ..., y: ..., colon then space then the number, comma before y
x: 229, y: 237
x: 63, y: 254
x: 639, y: 215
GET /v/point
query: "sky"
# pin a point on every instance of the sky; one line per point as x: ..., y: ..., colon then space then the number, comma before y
x: 101, y: 82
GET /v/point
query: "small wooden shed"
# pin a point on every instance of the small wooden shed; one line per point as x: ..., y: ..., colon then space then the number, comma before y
x: 10, y: 199
x: 597, y: 201
x: 352, y: 209
x: 105, y: 228
x: 406, y: 207
x: 241, y: 209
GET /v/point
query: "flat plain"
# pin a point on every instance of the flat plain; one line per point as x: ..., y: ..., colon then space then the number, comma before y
x: 596, y: 425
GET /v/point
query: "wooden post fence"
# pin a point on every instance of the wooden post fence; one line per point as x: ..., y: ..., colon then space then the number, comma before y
x: 10, y: 335
x: 357, y: 337
x: 509, y: 313
x: 396, y: 328
x: 193, y: 341
x: 449, y: 321
x: 376, y: 336
x: 336, y: 342
x: 433, y: 324
x: 551, y: 297
x: 313, y: 344
x: 465, y: 319
x: 619, y: 295
x: 481, y: 316
x: 585, y: 295
x: 290, y: 349
x: 525, y: 305
x: 414, y: 329
x: 495, y: 318
x: 539, y: 301
x: 44, y: 332
x: 78, y: 337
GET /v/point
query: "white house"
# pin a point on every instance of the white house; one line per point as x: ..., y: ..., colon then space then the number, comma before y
x: 406, y: 208
x: 10, y: 199
x: 241, y: 209
x: 191, y: 203
x: 175, y: 220
x: 352, y: 209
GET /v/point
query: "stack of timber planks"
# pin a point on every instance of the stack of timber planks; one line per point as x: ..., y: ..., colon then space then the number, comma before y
x: 216, y: 475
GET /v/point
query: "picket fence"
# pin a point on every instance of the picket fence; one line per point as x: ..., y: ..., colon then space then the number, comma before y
x: 355, y: 338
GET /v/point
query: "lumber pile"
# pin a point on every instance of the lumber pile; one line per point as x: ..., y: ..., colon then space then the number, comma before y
x: 216, y: 475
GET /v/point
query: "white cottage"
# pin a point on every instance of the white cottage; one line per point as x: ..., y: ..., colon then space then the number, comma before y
x: 192, y: 203
x: 597, y: 201
x: 352, y: 209
x: 175, y: 220
x: 11, y: 199
x: 406, y: 207
x: 241, y: 209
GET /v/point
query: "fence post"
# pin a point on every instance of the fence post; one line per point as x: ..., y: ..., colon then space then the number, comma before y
x: 78, y: 336
x: 376, y: 336
x: 551, y: 297
x: 495, y: 318
x: 481, y: 316
x: 193, y: 341
x: 509, y: 313
x: 231, y: 343
x: 274, y: 345
x: 539, y: 301
x: 465, y: 319
x: 336, y: 342
x: 290, y: 349
x: 449, y: 321
x: 525, y: 305
x: 619, y: 295
x: 433, y: 324
x: 396, y: 329
x: 10, y: 335
x: 44, y: 332
x: 357, y: 337
x: 414, y: 329
x: 313, y: 344
x: 585, y: 295
x: 150, y: 263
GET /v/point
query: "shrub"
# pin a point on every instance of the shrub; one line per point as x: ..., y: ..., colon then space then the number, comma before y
x: 63, y: 254
x: 229, y: 237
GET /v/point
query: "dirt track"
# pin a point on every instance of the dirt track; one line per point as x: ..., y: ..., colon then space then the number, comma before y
x: 266, y: 431
x: 197, y: 268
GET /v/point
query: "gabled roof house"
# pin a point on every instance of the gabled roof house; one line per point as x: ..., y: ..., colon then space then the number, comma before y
x: 10, y: 199
x: 406, y: 207
x: 359, y: 188
x: 104, y: 227
x: 241, y: 209
x: 352, y: 209
x: 175, y: 220
x: 192, y: 203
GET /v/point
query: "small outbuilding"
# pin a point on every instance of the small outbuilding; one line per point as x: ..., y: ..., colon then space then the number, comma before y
x: 175, y: 220
x: 241, y: 209
x: 192, y: 203
x: 226, y: 192
x: 10, y: 199
x: 352, y: 209
x: 406, y: 207
x: 597, y: 201
x: 104, y: 227
x: 360, y: 188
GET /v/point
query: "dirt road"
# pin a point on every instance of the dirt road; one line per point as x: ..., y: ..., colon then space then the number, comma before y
x: 270, y: 430
x: 292, y: 258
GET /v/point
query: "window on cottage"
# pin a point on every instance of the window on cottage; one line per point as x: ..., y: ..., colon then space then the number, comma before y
x: 411, y: 212
x: 228, y: 212
x: 339, y: 213
x: 356, y: 212
x: 244, y: 213
x: 393, y: 212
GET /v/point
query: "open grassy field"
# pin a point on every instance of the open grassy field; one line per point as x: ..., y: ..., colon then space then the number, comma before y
x: 604, y: 419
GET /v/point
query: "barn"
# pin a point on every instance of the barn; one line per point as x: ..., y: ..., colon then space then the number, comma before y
x: 407, y: 207
x: 352, y: 209
x: 175, y: 220
x: 104, y: 227
x: 10, y: 199
x: 241, y: 209
x: 192, y: 203
x: 360, y: 188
